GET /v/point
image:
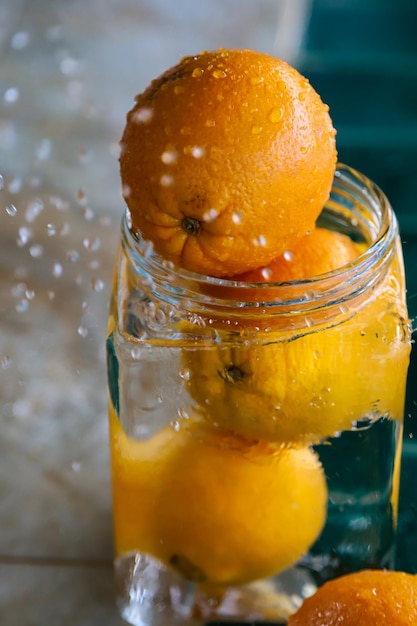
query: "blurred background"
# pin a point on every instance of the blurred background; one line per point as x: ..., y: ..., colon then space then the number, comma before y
x: 69, y: 71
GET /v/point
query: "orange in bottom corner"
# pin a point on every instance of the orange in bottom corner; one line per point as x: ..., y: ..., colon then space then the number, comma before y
x: 366, y: 598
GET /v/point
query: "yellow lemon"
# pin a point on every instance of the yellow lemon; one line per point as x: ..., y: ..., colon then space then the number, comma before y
x: 214, y: 507
x: 311, y: 387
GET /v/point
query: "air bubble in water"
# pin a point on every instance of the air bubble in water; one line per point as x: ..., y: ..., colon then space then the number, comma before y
x: 82, y: 331
x: 175, y: 425
x: 288, y: 255
x: 76, y: 466
x: 1, y: 182
x: 30, y: 294
x: 51, y: 229
x: 136, y: 352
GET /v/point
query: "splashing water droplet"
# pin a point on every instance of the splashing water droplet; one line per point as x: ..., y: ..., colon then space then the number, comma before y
x: 166, y: 180
x: 266, y: 273
x: 81, y: 196
x: 73, y: 256
x: 175, y: 425
x: 11, y: 95
x: 11, y: 210
x: 183, y: 414
x: 6, y: 361
x: 30, y: 294
x: 1, y: 182
x: 82, y: 331
x: 259, y: 241
x: 15, y: 185
x: 288, y: 255
x: 22, y: 306
x: 97, y: 285
x: 51, y: 229
x: 43, y: 149
x: 237, y: 217
x: 34, y: 208
x: 58, y: 203
x: 198, y: 152
x: 169, y: 157
x: 143, y: 115
x: 87, y: 213
x: 19, y: 40
x: 57, y: 270
x: 185, y: 374
x: 91, y: 244
x: 75, y: 466
x: 36, y: 251
x: 210, y: 215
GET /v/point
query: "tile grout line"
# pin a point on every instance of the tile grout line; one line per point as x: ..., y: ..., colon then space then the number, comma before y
x: 52, y: 561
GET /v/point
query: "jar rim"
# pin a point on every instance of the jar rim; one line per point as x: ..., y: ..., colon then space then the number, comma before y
x: 353, y: 193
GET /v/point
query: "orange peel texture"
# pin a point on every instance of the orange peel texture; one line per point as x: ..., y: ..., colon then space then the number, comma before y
x: 227, y: 160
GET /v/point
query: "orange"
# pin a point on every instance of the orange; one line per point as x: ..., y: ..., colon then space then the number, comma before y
x: 317, y: 253
x: 367, y: 598
x: 226, y: 161
x: 216, y: 508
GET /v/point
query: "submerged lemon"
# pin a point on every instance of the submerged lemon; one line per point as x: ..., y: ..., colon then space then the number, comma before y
x: 311, y: 387
x: 214, y: 507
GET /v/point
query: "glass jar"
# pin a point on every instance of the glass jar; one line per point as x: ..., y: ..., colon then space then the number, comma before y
x: 256, y: 429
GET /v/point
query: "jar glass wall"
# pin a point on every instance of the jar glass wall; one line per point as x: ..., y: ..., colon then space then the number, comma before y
x: 256, y: 428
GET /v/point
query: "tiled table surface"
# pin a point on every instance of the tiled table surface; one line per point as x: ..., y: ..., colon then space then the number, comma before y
x: 68, y: 74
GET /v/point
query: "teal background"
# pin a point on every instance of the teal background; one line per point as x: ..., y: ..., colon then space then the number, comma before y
x: 361, y: 56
